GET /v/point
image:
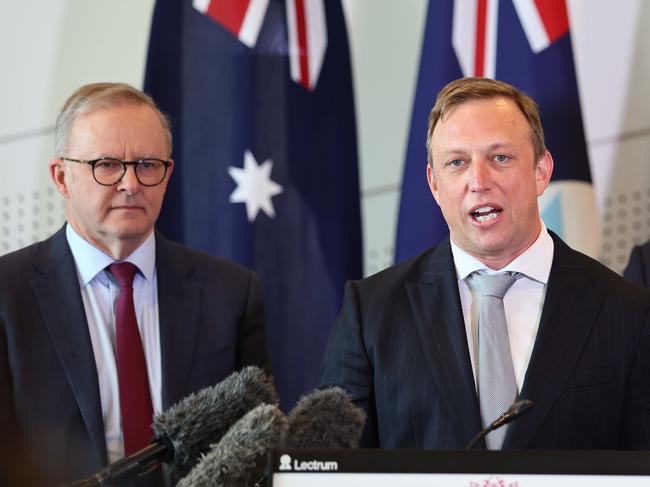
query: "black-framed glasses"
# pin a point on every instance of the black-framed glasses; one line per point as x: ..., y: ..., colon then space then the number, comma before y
x: 108, y: 171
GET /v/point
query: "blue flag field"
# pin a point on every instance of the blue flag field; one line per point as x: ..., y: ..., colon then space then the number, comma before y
x: 260, y: 97
x: 526, y: 43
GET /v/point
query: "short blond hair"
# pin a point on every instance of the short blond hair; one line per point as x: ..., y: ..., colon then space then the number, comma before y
x: 468, y: 89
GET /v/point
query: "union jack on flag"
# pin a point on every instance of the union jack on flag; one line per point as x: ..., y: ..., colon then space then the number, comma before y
x: 260, y: 96
x: 306, y: 25
x: 526, y: 43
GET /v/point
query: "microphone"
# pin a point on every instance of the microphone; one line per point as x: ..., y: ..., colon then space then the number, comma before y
x: 325, y: 418
x: 240, y: 458
x: 187, y: 430
x: 517, y: 409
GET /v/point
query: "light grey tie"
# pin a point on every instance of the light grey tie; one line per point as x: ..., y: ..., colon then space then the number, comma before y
x: 497, y: 387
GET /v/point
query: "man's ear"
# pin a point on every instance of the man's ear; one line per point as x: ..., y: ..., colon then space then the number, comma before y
x: 58, y: 174
x: 170, y: 168
x: 543, y: 172
x: 433, y: 184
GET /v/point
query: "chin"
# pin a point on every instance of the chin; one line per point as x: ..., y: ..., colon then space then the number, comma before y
x: 490, y: 247
x: 133, y: 232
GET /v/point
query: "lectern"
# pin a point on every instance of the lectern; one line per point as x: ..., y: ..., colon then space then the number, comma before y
x: 432, y: 468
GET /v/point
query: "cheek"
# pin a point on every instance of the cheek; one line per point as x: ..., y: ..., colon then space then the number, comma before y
x: 158, y: 196
x: 524, y: 198
x: 451, y: 205
x: 154, y: 200
x: 92, y: 198
x: 450, y: 196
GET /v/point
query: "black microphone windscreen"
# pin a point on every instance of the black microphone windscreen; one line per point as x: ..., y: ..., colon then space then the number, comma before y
x: 240, y: 458
x: 196, y: 422
x: 325, y: 419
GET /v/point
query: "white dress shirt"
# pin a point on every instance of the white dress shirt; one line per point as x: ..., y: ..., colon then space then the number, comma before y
x: 99, y: 292
x: 523, y: 302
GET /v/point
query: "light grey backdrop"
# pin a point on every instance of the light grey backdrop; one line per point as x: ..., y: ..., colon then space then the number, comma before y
x: 50, y: 48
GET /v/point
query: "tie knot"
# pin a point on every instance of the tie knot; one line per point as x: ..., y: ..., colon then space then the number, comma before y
x: 124, y: 272
x: 496, y: 285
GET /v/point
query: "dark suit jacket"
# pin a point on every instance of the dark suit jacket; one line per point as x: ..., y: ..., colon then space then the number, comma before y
x: 638, y: 267
x: 211, y: 323
x: 400, y: 350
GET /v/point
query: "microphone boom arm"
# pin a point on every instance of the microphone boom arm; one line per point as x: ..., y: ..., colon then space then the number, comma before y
x: 127, y: 467
x: 517, y: 409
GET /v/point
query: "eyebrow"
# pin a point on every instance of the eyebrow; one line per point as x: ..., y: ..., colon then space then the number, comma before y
x: 490, y: 148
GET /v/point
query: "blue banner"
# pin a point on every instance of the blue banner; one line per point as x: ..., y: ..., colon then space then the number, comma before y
x: 260, y: 98
x: 525, y: 43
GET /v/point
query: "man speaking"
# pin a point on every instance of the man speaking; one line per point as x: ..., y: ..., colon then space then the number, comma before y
x: 437, y: 347
x: 107, y: 322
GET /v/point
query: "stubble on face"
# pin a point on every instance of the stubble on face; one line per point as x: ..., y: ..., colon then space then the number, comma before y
x: 486, y: 179
x: 116, y: 219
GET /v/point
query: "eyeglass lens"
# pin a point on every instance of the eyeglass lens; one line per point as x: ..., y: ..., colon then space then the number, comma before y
x: 148, y: 171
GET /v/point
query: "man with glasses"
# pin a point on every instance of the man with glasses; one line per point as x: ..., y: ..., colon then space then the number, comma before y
x: 107, y: 322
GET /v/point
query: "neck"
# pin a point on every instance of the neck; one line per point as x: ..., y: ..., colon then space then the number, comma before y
x: 117, y: 248
x: 498, y: 260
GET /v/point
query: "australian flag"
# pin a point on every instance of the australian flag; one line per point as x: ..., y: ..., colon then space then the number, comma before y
x: 260, y: 97
x: 526, y: 43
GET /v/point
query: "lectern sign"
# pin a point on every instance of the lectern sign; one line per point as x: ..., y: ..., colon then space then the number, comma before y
x: 494, y: 481
x: 287, y: 464
x: 429, y: 468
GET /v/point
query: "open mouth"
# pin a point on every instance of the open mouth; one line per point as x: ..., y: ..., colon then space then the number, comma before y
x: 485, y: 213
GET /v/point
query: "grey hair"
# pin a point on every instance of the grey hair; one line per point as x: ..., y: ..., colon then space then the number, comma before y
x: 96, y: 96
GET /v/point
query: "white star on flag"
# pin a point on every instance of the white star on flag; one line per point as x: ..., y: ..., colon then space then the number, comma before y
x: 254, y: 186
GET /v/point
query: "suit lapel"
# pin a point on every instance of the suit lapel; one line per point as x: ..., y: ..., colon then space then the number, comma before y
x: 435, y: 303
x: 56, y: 289
x: 570, y: 307
x: 179, y: 304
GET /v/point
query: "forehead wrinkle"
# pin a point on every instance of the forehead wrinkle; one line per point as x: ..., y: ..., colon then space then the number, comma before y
x: 112, y: 139
x: 499, y: 145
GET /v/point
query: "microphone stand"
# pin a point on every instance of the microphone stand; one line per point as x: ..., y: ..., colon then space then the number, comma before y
x: 128, y: 467
x: 517, y: 409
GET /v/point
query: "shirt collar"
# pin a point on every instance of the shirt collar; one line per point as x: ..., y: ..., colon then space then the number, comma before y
x: 91, y: 261
x: 535, y: 262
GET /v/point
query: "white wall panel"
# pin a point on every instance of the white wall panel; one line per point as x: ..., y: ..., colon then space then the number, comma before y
x: 48, y: 49
x: 49, y: 52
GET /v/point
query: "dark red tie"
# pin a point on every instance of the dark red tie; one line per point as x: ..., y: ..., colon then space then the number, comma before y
x: 135, y: 398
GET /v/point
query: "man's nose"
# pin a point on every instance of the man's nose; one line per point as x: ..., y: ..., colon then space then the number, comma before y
x: 480, y: 176
x: 129, y: 181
